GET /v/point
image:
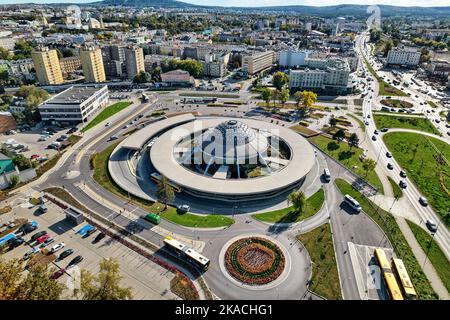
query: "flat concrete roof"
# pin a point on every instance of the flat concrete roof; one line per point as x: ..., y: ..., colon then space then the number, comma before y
x: 162, y: 157
x: 137, y: 140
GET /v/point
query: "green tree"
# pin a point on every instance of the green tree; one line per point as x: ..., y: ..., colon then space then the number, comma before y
x: 14, y: 180
x: 21, y: 162
x: 298, y: 98
x: 279, y: 80
x: 36, y: 285
x: 339, y: 135
x: 165, y: 192
x: 275, y: 95
x: 266, y: 94
x: 309, y: 98
x: 353, y: 141
x: 4, y: 54
x: 298, y: 200
x: 332, y: 121
x: 284, y: 95
x: 142, y: 77
x: 369, y: 164
x: 105, y: 285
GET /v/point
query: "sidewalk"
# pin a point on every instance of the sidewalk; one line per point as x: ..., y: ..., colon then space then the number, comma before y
x: 428, y: 269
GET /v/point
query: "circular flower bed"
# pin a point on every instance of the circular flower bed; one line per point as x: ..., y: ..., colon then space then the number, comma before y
x: 254, y: 260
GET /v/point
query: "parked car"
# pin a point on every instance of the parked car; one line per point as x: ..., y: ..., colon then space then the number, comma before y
x: 27, y: 255
x: 423, y: 201
x: 43, y: 208
x: 89, y: 232
x: 99, y: 237
x: 37, y: 235
x: 15, y: 242
x: 403, y: 184
x: 34, y: 156
x: 65, y: 254
x: 57, y: 247
x: 42, y: 159
x: 46, y: 242
x: 431, y: 225
x: 43, y: 238
x: 75, y: 261
x: 28, y: 227
x: 58, y: 274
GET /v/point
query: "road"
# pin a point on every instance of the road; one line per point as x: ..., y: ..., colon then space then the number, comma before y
x: 423, y: 214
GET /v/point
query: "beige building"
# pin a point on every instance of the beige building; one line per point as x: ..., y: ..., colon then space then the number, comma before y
x: 134, y: 61
x: 92, y: 63
x: 257, y: 61
x: 69, y: 64
x: 46, y: 63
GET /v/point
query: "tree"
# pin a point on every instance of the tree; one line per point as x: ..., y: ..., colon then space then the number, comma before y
x: 353, y: 141
x: 279, y: 79
x: 164, y: 191
x: 105, y: 285
x: 369, y: 165
x: 141, y: 77
x: 266, y: 95
x: 284, y: 95
x: 387, y: 47
x: 339, y: 135
x: 309, y: 98
x: 4, y: 54
x: 298, y: 200
x: 21, y: 162
x: 14, y: 180
x: 275, y: 94
x: 37, y: 284
x: 298, y: 98
x: 333, y: 121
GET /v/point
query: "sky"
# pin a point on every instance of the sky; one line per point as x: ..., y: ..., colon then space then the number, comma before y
x: 260, y: 3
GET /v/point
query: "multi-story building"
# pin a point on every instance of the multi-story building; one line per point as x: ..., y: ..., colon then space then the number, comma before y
x: 46, y: 64
x: 70, y: 65
x: 18, y: 68
x: 214, y: 69
x: 403, y: 56
x: 134, y: 61
x: 92, y: 63
x: 291, y: 58
x: 74, y: 105
x: 257, y: 61
x: 116, y: 53
x: 177, y: 78
x: 333, y: 74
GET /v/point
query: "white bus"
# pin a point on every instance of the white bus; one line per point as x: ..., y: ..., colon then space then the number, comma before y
x: 352, y: 203
x: 187, y: 253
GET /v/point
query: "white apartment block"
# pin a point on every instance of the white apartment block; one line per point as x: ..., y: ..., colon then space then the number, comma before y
x: 403, y: 56
x: 75, y: 104
x: 291, y: 58
x: 257, y: 61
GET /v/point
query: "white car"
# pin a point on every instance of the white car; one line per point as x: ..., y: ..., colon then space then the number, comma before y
x: 58, y: 247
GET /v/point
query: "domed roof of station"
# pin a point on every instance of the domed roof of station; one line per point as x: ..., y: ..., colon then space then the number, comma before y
x: 232, y: 131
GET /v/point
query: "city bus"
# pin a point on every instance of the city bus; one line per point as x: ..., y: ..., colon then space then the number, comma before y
x: 389, y: 279
x: 153, y: 218
x: 156, y: 177
x: 187, y: 253
x: 403, y: 279
x: 382, y: 260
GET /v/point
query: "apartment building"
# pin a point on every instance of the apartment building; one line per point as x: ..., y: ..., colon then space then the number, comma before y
x: 257, y: 61
x: 403, y: 56
x: 70, y: 65
x: 134, y: 61
x: 74, y: 105
x: 92, y: 63
x: 46, y: 64
x: 291, y: 58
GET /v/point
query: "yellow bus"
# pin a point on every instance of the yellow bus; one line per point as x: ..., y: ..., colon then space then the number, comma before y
x: 392, y: 286
x: 382, y: 260
x: 404, y: 281
x: 156, y: 177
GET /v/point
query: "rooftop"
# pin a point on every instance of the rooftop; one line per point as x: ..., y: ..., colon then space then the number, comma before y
x: 74, y: 95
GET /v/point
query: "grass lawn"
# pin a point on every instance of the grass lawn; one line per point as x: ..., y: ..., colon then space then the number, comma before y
x: 432, y: 104
x: 425, y: 166
x: 361, y: 124
x: 416, y: 123
x: 287, y: 215
x: 304, y: 130
x: 350, y: 159
x: 325, y: 277
x: 385, y: 88
x: 398, y: 193
x: 390, y: 227
x: 394, y: 103
x: 74, y: 139
x: 106, y: 113
x: 101, y: 175
x: 434, y: 252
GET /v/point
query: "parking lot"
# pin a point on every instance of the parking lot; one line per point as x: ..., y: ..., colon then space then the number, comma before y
x: 30, y: 139
x: 147, y: 279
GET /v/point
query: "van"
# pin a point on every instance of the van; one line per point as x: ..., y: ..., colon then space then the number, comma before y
x: 326, y: 175
x: 352, y: 203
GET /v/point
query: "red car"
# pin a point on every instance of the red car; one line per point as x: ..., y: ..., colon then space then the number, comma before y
x: 58, y: 273
x: 41, y: 239
x: 35, y: 156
